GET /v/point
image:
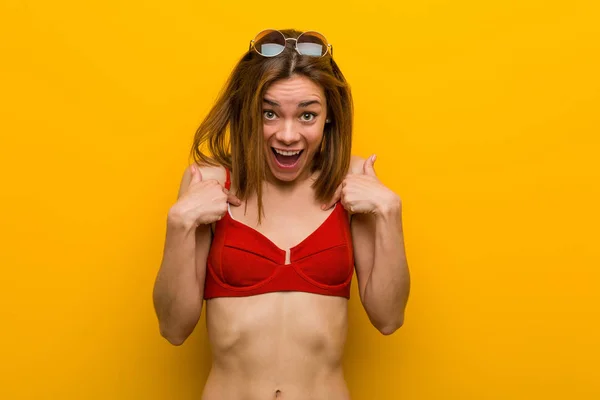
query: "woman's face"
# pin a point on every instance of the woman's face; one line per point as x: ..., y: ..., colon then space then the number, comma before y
x: 294, y: 113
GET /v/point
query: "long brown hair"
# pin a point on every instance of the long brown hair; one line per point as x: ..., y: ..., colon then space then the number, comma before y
x: 232, y: 132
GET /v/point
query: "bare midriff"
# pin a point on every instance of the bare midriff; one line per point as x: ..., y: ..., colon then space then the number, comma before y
x: 283, y: 345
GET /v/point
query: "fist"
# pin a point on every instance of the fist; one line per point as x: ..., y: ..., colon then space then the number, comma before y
x: 364, y: 193
x: 203, y: 202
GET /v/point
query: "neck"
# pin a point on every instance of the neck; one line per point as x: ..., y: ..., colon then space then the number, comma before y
x: 298, y: 185
x: 276, y: 186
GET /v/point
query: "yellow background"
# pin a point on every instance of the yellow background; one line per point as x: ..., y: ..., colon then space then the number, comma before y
x: 485, y: 117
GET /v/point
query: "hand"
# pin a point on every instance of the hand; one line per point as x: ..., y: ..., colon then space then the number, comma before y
x: 203, y: 203
x: 364, y: 193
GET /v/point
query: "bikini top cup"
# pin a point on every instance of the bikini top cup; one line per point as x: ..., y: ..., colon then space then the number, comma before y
x: 244, y: 262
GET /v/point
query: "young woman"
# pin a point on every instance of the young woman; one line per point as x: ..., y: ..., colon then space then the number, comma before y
x: 270, y: 227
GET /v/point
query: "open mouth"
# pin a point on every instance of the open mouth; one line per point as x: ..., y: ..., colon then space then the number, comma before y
x: 287, y: 159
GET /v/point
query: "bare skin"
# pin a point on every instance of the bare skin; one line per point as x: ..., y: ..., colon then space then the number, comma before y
x: 284, y: 345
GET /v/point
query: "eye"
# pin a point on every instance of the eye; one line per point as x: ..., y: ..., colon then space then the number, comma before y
x: 269, y: 114
x: 308, y: 116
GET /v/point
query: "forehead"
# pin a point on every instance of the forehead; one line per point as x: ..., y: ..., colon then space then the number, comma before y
x: 294, y: 90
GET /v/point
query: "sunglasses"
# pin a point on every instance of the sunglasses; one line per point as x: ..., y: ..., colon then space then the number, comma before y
x: 271, y: 43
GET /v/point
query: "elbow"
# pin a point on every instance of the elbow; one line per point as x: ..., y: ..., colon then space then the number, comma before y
x: 177, y: 330
x: 391, y: 326
x: 175, y: 338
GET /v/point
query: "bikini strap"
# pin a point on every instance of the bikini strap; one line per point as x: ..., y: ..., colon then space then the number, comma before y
x: 227, y: 179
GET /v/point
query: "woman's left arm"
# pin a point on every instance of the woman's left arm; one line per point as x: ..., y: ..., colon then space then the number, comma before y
x: 378, y: 241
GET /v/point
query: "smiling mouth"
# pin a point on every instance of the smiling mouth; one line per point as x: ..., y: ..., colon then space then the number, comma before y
x: 287, y: 160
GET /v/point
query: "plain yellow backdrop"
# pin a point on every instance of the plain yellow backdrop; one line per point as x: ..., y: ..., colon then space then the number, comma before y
x: 485, y: 117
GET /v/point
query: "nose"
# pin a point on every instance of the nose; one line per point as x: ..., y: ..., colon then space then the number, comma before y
x: 288, y: 134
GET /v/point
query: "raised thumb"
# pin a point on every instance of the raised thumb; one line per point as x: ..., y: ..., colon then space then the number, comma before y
x: 196, y: 175
x: 368, y: 166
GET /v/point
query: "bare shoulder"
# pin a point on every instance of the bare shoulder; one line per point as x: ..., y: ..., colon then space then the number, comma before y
x: 208, y: 172
x: 356, y: 164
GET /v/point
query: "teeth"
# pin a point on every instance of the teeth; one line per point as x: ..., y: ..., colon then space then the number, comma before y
x: 287, y: 153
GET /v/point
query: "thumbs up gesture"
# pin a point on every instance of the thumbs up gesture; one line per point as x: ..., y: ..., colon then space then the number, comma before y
x: 363, y: 193
x: 202, y: 202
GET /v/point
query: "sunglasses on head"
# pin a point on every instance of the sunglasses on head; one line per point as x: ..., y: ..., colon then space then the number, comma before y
x: 271, y: 42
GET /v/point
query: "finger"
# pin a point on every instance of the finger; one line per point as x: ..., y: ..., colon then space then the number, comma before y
x: 368, y: 166
x: 196, y: 174
x: 336, y: 197
x: 231, y: 198
x: 347, y: 206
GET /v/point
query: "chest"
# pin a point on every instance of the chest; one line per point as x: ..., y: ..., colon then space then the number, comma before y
x: 285, y: 227
x: 249, y: 257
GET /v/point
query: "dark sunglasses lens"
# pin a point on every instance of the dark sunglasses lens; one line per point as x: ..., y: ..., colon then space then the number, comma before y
x: 269, y: 43
x: 312, y: 44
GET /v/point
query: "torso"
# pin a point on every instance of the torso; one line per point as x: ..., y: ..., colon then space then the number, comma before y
x: 285, y: 345
x: 279, y: 345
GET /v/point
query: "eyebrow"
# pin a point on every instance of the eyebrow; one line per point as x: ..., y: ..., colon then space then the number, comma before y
x: 300, y: 105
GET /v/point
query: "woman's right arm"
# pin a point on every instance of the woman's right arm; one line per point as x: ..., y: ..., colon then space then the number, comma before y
x: 179, y: 288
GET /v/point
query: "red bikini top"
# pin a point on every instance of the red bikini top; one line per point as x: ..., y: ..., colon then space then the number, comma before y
x: 244, y: 262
